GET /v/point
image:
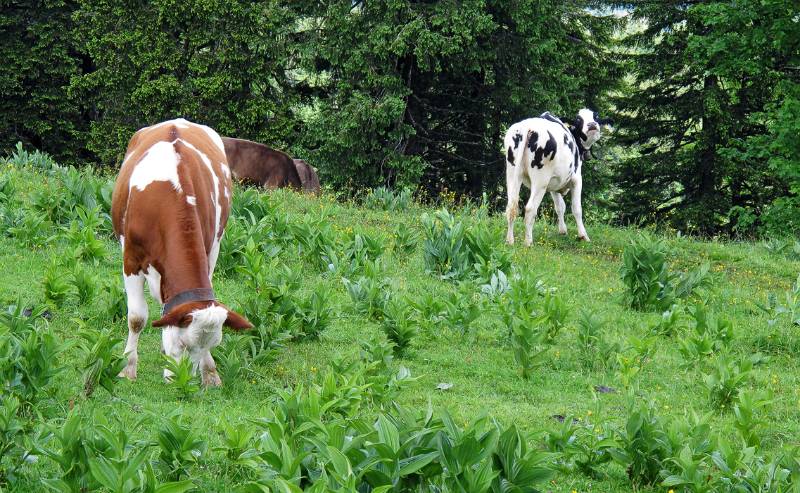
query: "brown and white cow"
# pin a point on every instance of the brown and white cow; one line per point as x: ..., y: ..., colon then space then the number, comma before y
x: 260, y: 165
x: 308, y: 176
x: 169, y: 210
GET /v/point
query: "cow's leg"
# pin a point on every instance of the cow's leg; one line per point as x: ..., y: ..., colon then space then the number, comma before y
x: 513, y: 184
x: 561, y: 207
x: 577, y: 211
x: 172, y: 346
x: 137, y: 317
x: 531, y: 208
x: 208, y: 370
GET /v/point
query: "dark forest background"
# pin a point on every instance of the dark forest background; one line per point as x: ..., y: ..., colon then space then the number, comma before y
x: 705, y: 94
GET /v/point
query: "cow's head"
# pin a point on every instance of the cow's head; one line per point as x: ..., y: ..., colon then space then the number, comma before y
x: 587, y: 127
x: 200, y: 324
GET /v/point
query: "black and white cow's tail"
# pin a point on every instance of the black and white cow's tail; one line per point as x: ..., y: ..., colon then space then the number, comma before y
x: 516, y: 148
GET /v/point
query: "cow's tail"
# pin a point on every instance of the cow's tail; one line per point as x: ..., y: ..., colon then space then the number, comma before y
x: 516, y: 148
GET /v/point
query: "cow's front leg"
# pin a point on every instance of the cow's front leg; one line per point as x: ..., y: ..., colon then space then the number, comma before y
x: 137, y: 317
x: 531, y: 208
x: 561, y: 207
x: 208, y: 370
x: 577, y: 211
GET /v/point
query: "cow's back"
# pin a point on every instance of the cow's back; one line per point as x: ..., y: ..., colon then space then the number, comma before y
x: 261, y: 165
x: 172, y: 197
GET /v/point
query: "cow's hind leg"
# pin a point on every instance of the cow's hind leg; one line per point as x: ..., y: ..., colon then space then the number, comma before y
x: 561, y: 207
x: 513, y: 184
x: 137, y: 317
x: 531, y: 208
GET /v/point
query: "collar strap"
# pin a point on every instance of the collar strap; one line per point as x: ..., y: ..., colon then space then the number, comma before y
x: 199, y: 294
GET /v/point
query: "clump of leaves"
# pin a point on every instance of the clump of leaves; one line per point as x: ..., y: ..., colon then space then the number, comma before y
x: 55, y: 286
x: 527, y: 344
x: 180, y: 375
x: 651, y: 285
x: 29, y: 353
x: 315, y: 314
x: 30, y: 229
x: 102, y: 360
x: 388, y: 200
x: 369, y: 295
x: 709, y: 335
x: 85, y: 284
x: 726, y: 378
x: 83, y: 243
x: 179, y: 445
x: 669, y: 323
x: 36, y: 159
x: 405, y: 240
x: 398, y: 326
x: 462, y: 308
x: 748, y: 419
x: 115, y: 305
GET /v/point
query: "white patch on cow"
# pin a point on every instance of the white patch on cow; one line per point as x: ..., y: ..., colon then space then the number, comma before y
x: 197, y: 340
x: 213, y: 255
x: 191, y: 199
x: 214, y: 138
x: 215, y: 192
x: 226, y: 169
x: 178, y: 122
x: 591, y: 136
x: 159, y: 163
x: 154, y: 282
x: 205, y: 331
x: 137, y: 317
x: 227, y: 193
x: 122, y: 241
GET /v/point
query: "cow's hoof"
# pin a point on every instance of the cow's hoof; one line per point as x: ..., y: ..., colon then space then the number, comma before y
x: 584, y: 238
x: 510, y: 242
x: 528, y: 243
x: 128, y: 372
x: 211, y: 379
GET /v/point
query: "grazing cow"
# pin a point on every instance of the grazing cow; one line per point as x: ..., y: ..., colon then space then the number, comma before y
x: 547, y: 155
x: 307, y: 176
x: 258, y: 164
x: 169, y: 210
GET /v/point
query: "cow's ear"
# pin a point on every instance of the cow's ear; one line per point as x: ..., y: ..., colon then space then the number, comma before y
x: 180, y: 316
x: 236, y: 321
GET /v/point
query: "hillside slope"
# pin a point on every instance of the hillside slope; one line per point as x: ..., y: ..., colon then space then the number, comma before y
x: 462, y: 357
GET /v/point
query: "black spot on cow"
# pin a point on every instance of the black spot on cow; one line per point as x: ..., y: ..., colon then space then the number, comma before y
x: 517, y: 137
x: 539, y: 153
x: 551, y: 147
x: 576, y: 156
x: 510, y: 156
x: 578, y: 130
x: 548, y: 116
x: 532, y: 138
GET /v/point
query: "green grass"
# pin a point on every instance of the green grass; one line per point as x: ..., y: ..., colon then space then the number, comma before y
x: 481, y: 369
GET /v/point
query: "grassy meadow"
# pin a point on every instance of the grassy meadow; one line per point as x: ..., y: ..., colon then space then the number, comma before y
x: 599, y: 364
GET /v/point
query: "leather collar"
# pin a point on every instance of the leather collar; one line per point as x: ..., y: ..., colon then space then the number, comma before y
x: 199, y: 294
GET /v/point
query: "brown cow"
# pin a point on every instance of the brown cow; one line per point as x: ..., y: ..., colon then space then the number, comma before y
x: 307, y: 176
x: 258, y: 164
x: 169, y: 210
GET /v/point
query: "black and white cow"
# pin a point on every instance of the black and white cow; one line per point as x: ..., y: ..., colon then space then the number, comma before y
x: 546, y: 155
